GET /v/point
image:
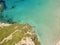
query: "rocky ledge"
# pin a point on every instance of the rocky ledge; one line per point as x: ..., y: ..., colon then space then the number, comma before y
x: 17, y: 34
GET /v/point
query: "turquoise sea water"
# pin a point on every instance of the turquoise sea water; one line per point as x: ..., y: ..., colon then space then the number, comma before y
x: 42, y: 15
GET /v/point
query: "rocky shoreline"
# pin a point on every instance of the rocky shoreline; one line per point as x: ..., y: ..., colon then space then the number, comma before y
x: 17, y: 34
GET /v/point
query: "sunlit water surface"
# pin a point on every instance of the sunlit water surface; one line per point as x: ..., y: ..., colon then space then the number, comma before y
x: 42, y: 15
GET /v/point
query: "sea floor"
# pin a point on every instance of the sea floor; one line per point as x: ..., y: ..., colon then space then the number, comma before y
x: 42, y: 15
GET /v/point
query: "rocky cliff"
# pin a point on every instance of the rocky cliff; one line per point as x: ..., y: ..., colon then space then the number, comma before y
x: 17, y: 34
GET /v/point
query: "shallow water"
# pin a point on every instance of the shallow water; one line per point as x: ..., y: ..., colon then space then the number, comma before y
x: 43, y: 15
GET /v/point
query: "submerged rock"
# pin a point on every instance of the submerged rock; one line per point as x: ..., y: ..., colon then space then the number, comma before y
x: 18, y: 34
x: 2, y: 5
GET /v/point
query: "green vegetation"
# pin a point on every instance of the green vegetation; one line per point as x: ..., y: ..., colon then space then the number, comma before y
x: 18, y: 35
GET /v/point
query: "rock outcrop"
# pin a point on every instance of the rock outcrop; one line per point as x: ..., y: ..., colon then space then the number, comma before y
x: 18, y: 34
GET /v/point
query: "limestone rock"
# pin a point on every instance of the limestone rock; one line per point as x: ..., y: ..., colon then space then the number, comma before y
x: 18, y: 34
